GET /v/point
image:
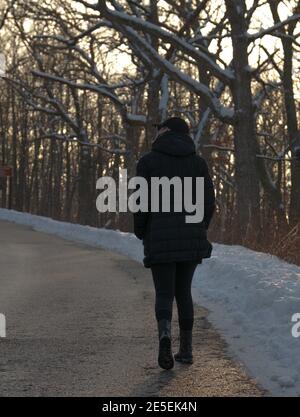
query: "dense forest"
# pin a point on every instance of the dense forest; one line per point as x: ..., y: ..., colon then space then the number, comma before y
x: 82, y: 83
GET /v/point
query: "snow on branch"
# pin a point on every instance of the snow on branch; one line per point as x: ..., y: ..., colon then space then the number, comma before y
x: 100, y: 89
x: 223, y: 113
x: 163, y: 103
x: 224, y: 75
x: 83, y: 86
x: 73, y: 138
x: 138, y: 119
x: 274, y: 28
x: 229, y: 149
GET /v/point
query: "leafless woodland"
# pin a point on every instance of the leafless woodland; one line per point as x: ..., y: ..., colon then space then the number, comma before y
x: 85, y: 81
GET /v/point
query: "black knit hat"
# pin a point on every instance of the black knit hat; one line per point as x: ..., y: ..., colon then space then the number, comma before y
x: 174, y: 123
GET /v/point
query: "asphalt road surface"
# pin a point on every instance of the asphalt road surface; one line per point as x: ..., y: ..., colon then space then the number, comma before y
x: 80, y: 322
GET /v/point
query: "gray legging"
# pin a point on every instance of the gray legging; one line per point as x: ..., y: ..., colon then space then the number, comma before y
x: 174, y: 280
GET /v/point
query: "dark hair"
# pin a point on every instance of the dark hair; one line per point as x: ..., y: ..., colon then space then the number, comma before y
x: 176, y: 124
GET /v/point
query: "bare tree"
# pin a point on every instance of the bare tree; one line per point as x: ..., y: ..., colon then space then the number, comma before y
x: 237, y: 78
x: 288, y: 40
x: 69, y: 115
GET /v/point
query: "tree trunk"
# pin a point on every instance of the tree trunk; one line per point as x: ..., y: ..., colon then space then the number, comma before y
x: 291, y: 112
x: 292, y: 125
x: 84, y: 186
x: 247, y: 181
x: 154, y: 85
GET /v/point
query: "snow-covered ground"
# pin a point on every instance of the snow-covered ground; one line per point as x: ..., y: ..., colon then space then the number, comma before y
x: 252, y: 297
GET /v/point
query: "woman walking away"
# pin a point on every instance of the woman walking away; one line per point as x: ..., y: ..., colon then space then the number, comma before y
x: 174, y: 247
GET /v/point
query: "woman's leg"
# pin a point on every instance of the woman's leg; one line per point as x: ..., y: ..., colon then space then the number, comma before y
x: 183, y: 294
x: 164, y: 282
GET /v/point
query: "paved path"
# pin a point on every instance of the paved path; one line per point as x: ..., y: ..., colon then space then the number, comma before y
x: 80, y: 322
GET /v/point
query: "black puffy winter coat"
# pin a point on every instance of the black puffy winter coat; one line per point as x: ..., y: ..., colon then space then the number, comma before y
x: 166, y: 236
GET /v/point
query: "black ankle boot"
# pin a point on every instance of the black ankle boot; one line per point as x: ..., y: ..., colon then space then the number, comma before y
x: 185, y: 354
x: 165, y: 356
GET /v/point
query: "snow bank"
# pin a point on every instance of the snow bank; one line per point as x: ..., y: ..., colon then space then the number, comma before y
x: 252, y: 297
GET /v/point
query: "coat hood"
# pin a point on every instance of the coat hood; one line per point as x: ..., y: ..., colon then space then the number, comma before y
x: 176, y: 144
